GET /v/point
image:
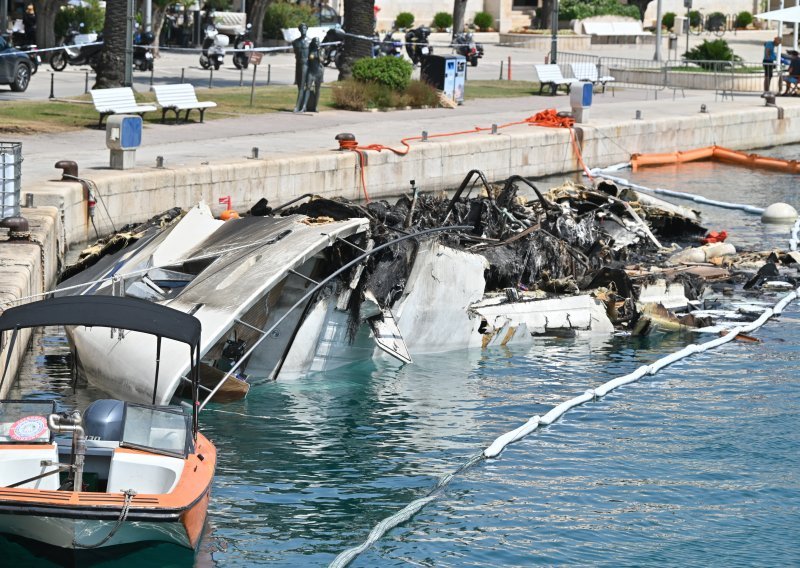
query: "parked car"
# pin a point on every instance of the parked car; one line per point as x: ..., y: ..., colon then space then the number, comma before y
x: 15, y: 67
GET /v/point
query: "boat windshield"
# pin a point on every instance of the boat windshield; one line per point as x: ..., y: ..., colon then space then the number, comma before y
x: 25, y: 421
x: 160, y: 429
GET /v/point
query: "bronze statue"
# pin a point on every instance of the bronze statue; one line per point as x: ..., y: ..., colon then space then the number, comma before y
x: 300, y: 46
x: 308, y: 97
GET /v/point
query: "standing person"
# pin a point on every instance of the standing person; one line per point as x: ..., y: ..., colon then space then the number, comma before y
x: 29, y: 21
x: 770, y: 55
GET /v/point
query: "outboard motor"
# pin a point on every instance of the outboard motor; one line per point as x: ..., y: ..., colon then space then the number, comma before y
x: 102, y: 420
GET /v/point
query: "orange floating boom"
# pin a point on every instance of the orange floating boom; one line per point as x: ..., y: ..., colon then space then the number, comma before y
x: 718, y: 153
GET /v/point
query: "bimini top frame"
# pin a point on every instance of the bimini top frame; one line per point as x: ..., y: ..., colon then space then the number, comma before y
x: 115, y: 312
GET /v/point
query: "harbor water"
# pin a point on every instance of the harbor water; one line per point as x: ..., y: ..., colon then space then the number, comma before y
x: 695, y: 466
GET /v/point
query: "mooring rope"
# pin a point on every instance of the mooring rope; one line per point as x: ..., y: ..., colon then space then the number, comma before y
x: 601, y: 173
x: 129, y: 495
x: 501, y: 442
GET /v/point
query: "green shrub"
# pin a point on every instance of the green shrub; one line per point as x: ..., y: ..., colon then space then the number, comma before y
x: 286, y: 15
x: 668, y: 20
x: 392, y: 72
x: 355, y: 95
x: 92, y: 16
x: 483, y: 21
x: 442, y: 20
x: 404, y: 20
x: 580, y: 9
x: 694, y: 18
x: 715, y: 21
x: 712, y: 55
x: 743, y: 19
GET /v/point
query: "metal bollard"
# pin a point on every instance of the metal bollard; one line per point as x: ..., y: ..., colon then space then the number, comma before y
x: 183, y: 69
x: 501, y: 70
x: 253, y: 85
x: 241, y: 77
x: 152, y: 67
x: 52, y: 78
x: 86, y: 84
x: 509, y: 67
x: 159, y: 161
x: 255, y: 153
x: 269, y: 73
x: 211, y: 77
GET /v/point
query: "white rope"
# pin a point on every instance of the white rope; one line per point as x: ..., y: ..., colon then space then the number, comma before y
x: 597, y: 172
x: 501, y: 442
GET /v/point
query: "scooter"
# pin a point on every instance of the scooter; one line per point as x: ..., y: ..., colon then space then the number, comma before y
x: 242, y: 43
x: 142, y: 55
x: 332, y: 52
x: 417, y: 44
x: 389, y: 46
x: 465, y: 45
x: 74, y: 51
x: 214, y: 45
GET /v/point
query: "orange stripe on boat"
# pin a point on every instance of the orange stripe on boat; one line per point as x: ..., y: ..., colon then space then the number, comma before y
x: 718, y: 153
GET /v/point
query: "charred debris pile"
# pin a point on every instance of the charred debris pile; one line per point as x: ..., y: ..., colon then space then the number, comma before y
x: 644, y: 258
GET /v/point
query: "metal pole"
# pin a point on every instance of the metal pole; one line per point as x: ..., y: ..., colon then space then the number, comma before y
x: 211, y: 77
x: 778, y: 51
x: 554, y: 30
x: 688, y: 23
x: 253, y: 84
x: 241, y: 76
x: 501, y: 69
x: 148, y: 15
x: 152, y: 68
x: 796, y: 3
x: 52, y: 78
x: 86, y: 84
x: 658, y: 31
x: 269, y: 73
x: 509, y: 68
x: 129, y: 21
x: 183, y: 70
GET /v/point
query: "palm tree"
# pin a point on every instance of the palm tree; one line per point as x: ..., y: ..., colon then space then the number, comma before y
x: 359, y: 19
x: 111, y: 65
x: 459, y: 8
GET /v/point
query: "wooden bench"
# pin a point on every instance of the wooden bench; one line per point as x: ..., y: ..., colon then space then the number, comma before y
x: 180, y: 97
x: 587, y: 71
x: 117, y: 101
x: 551, y: 75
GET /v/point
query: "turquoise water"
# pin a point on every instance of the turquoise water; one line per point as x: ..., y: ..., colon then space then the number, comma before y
x: 697, y: 466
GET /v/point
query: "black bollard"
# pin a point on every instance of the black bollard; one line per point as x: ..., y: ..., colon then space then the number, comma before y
x: 241, y: 77
x: 86, y: 84
x: 211, y: 77
x: 152, y: 68
x: 501, y: 70
x: 183, y: 69
x: 269, y: 73
x: 52, y: 78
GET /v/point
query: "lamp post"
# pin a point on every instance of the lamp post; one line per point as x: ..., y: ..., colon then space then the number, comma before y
x: 688, y: 4
x: 658, y: 31
x: 554, y: 29
x: 129, y: 21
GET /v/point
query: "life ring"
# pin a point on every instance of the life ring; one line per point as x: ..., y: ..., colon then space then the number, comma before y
x: 28, y: 428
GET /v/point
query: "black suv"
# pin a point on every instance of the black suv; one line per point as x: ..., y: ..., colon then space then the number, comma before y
x: 15, y: 67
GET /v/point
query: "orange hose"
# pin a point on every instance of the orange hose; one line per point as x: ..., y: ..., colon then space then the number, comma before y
x: 546, y: 118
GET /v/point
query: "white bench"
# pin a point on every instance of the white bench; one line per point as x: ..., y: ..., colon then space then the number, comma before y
x: 117, y: 101
x: 551, y: 75
x: 587, y: 71
x: 180, y: 97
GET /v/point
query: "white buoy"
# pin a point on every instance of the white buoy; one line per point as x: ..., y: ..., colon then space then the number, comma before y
x: 779, y: 213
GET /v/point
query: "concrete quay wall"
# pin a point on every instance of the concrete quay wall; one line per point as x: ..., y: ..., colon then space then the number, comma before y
x: 135, y: 195
x: 28, y: 267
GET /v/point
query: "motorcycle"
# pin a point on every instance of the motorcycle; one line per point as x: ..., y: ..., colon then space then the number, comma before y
x: 142, y: 55
x: 389, y: 46
x: 76, y: 50
x: 465, y: 45
x: 242, y: 43
x: 214, y: 45
x: 332, y: 52
x: 417, y: 44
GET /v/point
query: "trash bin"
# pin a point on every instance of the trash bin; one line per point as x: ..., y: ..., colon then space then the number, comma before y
x: 445, y: 73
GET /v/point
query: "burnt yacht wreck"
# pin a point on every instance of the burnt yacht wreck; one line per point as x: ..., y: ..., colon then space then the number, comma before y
x: 314, y: 285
